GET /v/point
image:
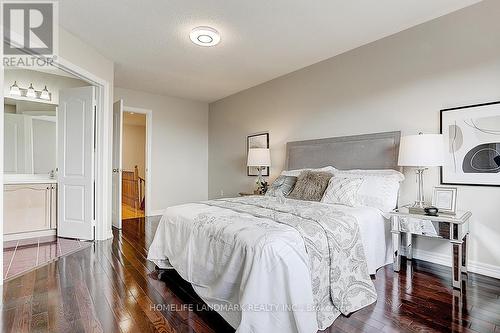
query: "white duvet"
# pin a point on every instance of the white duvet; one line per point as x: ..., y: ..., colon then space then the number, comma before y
x: 255, y: 271
x: 375, y: 235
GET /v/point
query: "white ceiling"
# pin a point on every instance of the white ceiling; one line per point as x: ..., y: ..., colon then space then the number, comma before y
x: 261, y: 39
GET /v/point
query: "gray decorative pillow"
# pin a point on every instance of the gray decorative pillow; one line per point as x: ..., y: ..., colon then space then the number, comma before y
x: 282, y: 186
x: 310, y: 186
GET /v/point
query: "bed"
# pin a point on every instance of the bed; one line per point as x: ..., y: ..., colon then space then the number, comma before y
x: 273, y: 264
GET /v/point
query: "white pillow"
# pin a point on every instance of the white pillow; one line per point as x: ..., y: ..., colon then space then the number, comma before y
x: 379, y: 189
x: 297, y: 172
x: 342, y: 190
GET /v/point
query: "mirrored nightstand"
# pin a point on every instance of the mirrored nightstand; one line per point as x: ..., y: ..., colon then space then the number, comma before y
x: 453, y: 228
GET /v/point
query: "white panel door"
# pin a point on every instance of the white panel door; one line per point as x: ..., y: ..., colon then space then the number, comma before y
x: 117, y: 163
x: 75, y: 160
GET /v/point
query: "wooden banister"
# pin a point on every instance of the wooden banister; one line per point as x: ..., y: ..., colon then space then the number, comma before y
x: 133, y: 188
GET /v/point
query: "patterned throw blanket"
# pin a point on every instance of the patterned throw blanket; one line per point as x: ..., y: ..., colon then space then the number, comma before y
x: 339, y: 275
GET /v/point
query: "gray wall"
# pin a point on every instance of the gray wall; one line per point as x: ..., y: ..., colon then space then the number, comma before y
x: 398, y: 83
x: 134, y: 148
x: 179, y: 151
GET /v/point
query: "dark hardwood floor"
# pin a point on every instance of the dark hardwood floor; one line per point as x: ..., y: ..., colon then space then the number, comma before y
x: 111, y: 287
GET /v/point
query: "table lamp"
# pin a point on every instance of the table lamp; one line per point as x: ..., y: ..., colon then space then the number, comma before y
x: 421, y: 151
x: 260, y: 158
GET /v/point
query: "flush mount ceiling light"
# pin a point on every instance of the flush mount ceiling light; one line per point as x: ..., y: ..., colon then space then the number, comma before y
x: 204, y: 36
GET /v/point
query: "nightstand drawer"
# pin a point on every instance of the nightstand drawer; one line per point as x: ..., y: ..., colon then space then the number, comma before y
x: 425, y: 227
x: 419, y: 226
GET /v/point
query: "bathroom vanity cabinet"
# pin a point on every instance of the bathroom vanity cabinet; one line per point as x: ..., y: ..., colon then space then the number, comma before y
x: 30, y: 210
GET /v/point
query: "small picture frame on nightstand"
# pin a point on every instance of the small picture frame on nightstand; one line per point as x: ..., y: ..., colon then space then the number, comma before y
x: 445, y: 199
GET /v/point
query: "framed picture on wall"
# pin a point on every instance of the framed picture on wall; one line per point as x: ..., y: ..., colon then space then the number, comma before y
x: 257, y: 141
x: 472, y: 139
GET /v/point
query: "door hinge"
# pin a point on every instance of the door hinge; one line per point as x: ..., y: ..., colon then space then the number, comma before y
x: 95, y: 127
x: 94, y: 199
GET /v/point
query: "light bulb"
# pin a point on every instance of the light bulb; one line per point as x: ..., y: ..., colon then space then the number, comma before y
x: 45, y: 94
x: 31, y: 91
x: 14, y: 90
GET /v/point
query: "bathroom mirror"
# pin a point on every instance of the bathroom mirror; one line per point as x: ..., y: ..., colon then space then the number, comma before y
x: 30, y: 143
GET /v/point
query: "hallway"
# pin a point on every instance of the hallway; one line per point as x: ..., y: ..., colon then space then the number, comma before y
x: 134, y: 165
x: 129, y: 212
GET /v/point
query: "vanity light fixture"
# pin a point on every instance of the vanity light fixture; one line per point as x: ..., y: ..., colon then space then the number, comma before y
x: 204, y: 36
x: 14, y: 89
x: 44, y: 94
x: 31, y: 91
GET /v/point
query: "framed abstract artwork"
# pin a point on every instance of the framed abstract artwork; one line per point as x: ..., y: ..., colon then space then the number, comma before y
x: 257, y: 141
x: 472, y: 141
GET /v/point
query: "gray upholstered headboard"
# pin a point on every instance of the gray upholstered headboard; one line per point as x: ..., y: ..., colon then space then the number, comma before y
x: 368, y: 151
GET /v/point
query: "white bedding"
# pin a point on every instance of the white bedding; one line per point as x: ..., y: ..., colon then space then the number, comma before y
x: 265, y: 273
x: 375, y: 235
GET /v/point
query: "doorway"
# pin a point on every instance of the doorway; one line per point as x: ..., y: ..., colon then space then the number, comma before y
x: 99, y: 222
x: 134, y: 165
x: 52, y: 119
x: 131, y: 162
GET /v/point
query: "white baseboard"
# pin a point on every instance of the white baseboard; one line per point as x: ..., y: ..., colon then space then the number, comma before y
x: 445, y: 260
x: 484, y: 269
x: 29, y: 234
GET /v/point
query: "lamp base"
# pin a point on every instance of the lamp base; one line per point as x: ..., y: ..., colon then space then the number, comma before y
x: 416, y: 210
x: 418, y: 207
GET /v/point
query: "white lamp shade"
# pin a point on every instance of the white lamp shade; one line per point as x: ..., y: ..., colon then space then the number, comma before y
x: 31, y: 92
x: 259, y: 157
x: 14, y: 90
x: 45, y: 94
x: 421, y: 150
